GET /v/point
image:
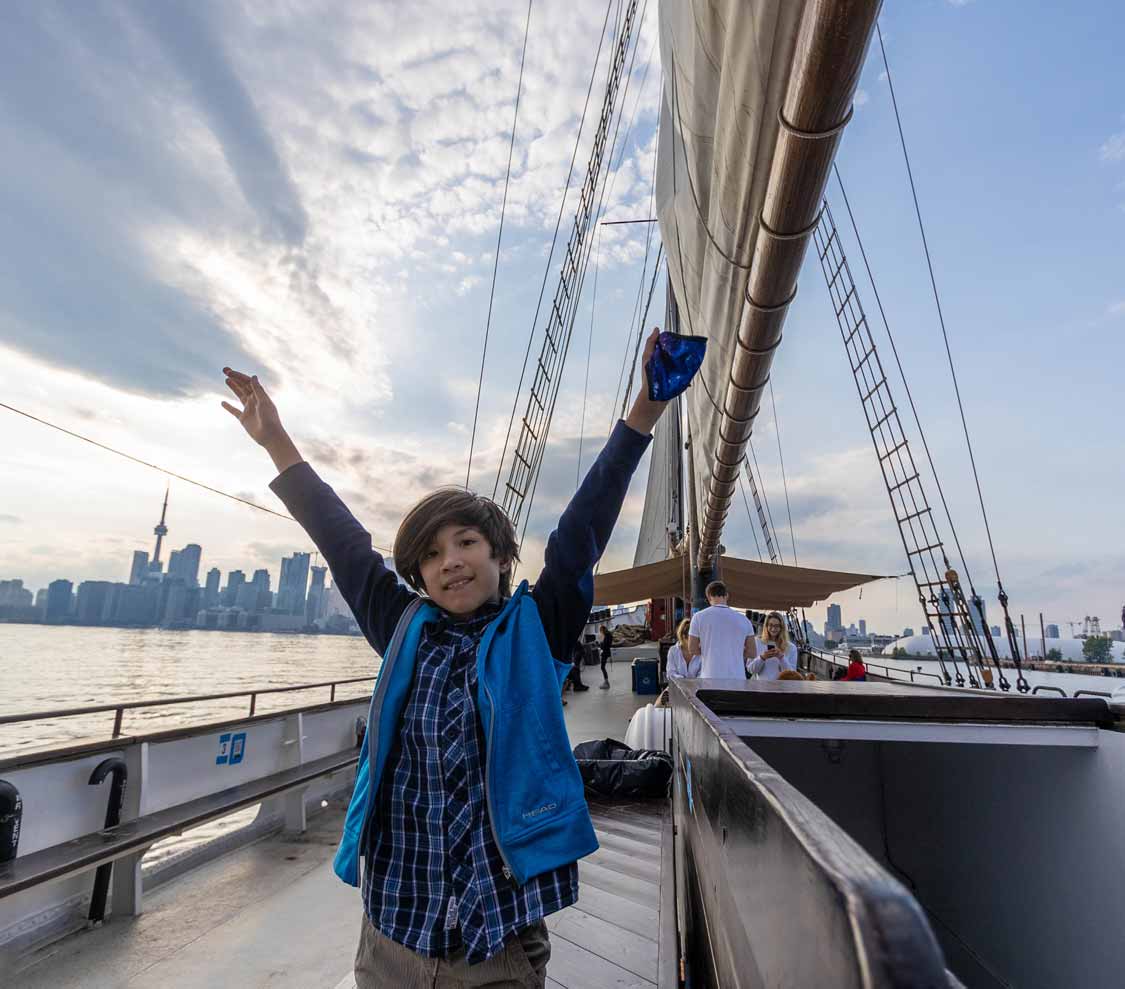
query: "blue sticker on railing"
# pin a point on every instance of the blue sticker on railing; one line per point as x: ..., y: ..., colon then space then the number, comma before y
x: 232, y: 747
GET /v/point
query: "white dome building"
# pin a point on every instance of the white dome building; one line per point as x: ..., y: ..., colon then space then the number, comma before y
x: 1071, y: 649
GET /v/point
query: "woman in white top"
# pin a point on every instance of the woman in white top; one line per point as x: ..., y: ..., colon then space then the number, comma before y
x: 775, y: 651
x: 678, y: 664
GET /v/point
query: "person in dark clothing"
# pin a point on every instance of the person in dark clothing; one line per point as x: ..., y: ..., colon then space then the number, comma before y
x: 605, y: 648
x: 574, y: 677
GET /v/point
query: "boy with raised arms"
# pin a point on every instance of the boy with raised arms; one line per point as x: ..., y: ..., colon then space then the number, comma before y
x: 468, y: 814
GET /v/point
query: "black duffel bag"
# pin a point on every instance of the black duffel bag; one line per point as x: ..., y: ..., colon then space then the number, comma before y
x: 612, y: 769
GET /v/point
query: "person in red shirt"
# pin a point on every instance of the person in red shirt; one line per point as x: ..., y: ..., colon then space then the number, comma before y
x: 856, y: 669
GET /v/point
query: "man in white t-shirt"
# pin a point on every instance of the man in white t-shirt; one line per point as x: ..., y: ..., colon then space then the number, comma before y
x: 722, y: 636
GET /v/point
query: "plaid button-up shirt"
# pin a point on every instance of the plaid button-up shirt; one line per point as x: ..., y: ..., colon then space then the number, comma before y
x: 435, y: 880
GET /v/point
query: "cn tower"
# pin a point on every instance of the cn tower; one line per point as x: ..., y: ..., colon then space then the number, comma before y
x: 161, y: 529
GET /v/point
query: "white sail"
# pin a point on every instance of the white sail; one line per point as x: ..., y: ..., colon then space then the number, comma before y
x: 726, y: 68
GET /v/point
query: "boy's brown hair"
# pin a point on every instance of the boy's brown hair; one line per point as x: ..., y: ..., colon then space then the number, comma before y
x: 455, y: 506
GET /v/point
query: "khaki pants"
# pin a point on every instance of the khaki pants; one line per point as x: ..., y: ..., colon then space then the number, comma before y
x: 381, y: 963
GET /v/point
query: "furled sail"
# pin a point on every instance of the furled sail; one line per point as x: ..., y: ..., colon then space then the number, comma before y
x: 756, y: 93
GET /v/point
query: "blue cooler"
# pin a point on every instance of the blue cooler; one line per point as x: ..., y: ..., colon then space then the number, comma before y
x: 646, y: 676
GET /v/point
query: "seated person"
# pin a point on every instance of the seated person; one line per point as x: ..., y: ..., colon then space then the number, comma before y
x: 775, y: 651
x: 678, y: 663
x: 856, y: 669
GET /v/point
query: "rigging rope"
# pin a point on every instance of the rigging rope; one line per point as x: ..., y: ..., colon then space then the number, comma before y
x: 636, y: 311
x: 499, y: 236
x: 585, y: 249
x: 753, y: 529
x: 765, y: 496
x: 551, y: 253
x: 937, y: 299
x: 157, y: 467
x: 902, y: 373
x: 784, y: 482
x: 641, y: 331
x: 589, y: 348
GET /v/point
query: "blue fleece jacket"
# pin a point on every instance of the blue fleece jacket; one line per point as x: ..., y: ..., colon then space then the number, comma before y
x: 535, y: 799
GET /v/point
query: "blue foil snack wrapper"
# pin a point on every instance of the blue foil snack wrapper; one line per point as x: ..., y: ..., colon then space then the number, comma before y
x: 673, y: 364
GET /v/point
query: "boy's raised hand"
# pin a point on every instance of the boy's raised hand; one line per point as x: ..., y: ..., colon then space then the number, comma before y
x: 259, y: 418
x: 645, y: 412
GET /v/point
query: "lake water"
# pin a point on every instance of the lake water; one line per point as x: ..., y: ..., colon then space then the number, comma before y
x: 43, y: 667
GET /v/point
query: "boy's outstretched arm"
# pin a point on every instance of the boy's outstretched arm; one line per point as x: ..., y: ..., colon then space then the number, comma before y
x: 565, y: 589
x: 372, y: 591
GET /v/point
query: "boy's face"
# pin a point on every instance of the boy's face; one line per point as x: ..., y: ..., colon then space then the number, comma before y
x: 459, y: 570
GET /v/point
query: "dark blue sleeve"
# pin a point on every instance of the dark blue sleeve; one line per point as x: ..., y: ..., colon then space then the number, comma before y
x: 564, y: 591
x: 370, y: 588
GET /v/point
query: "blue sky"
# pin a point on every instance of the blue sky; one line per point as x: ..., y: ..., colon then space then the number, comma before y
x: 312, y: 192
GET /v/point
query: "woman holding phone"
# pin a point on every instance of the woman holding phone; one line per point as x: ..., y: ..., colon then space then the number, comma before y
x: 775, y: 651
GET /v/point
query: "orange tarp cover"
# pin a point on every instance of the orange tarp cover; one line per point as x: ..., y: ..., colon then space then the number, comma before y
x: 768, y: 586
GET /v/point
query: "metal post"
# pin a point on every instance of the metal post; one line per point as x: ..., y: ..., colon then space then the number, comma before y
x: 114, y: 766
x: 253, y: 703
x: 117, y: 722
x: 1023, y: 632
x: 1042, y: 638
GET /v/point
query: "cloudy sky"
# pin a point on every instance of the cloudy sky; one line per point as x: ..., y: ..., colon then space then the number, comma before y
x: 312, y: 190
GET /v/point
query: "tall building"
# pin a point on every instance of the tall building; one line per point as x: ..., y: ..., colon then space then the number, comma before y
x: 160, y: 532
x: 907, y: 632
x: 14, y: 594
x: 235, y: 580
x: 835, y: 618
x: 863, y: 626
x: 59, y: 596
x: 978, y: 611
x: 132, y: 604
x: 1052, y: 631
x: 93, y: 595
x: 294, y: 581
x: 140, y: 566
x: 315, y: 606
x: 184, y: 563
x: 211, y: 591
x: 256, y: 596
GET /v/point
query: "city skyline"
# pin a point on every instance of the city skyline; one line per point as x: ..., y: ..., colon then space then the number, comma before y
x: 333, y: 229
x: 299, y: 579
x: 174, y: 597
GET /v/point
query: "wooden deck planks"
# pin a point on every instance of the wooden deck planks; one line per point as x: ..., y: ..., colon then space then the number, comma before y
x: 573, y: 967
x: 608, y: 940
x: 626, y: 949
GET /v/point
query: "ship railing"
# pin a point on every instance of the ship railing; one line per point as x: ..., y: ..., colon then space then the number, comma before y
x: 891, y: 673
x: 119, y: 708
x: 98, y: 805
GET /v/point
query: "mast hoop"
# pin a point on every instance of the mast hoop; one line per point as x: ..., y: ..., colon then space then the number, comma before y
x: 795, y: 235
x: 814, y: 135
x: 747, y: 389
x: 777, y: 307
x: 758, y: 351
